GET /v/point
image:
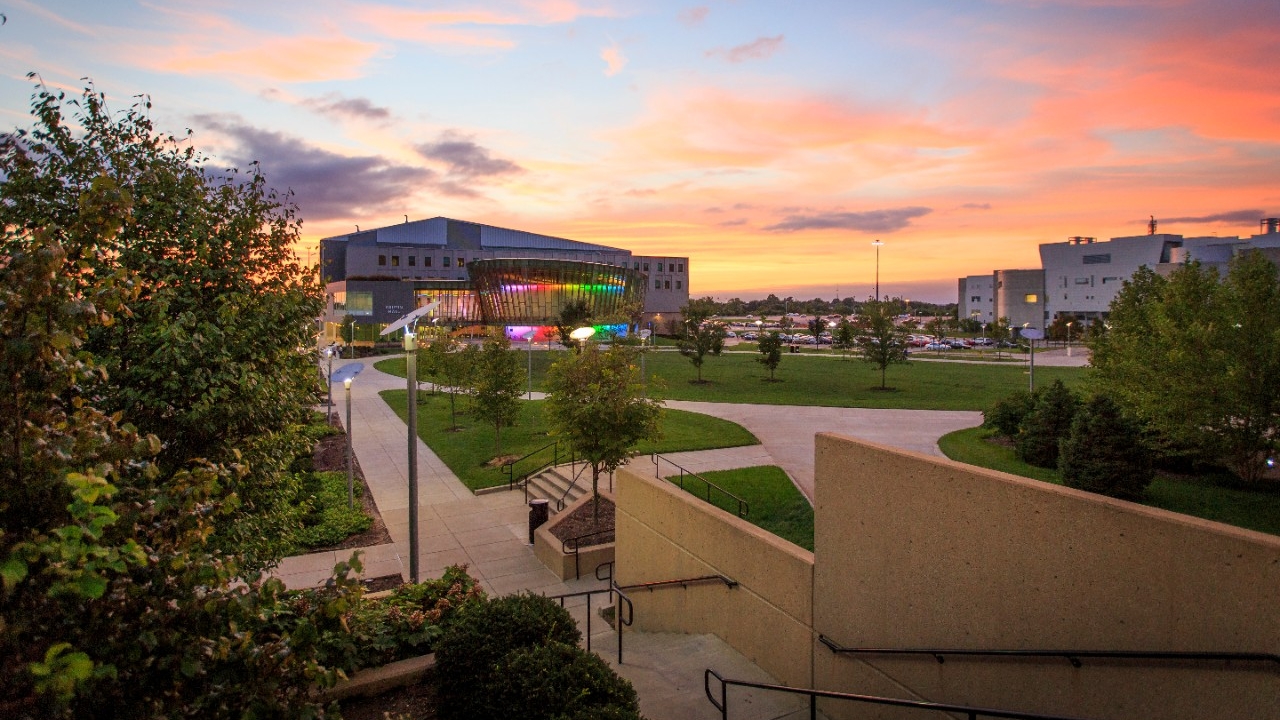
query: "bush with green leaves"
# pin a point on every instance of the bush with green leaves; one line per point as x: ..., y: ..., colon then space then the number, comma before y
x: 1105, y: 452
x: 482, y: 635
x: 330, y: 519
x: 1046, y: 425
x: 1006, y: 416
x: 555, y: 681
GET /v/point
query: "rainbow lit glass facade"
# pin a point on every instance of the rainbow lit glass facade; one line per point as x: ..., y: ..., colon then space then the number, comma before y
x: 533, y: 291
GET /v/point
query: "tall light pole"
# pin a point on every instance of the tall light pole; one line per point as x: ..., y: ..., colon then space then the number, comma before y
x: 1069, y: 337
x: 411, y: 373
x: 529, y: 338
x: 351, y: 472
x: 353, y: 339
x: 877, y: 243
x: 328, y: 352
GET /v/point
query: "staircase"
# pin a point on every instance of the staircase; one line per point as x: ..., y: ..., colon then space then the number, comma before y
x: 552, y: 483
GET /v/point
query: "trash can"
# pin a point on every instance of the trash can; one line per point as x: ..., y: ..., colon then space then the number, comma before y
x: 539, y: 510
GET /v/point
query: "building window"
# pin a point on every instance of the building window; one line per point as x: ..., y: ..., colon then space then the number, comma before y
x: 413, y: 261
x: 395, y: 261
x: 657, y: 284
x: 1031, y: 297
x: 1082, y: 281
x: 360, y: 303
x: 646, y: 267
x: 680, y: 267
x: 426, y: 262
x: 637, y: 266
x: 382, y: 259
x: 667, y: 285
x: 1102, y: 259
x: 1106, y: 280
x: 659, y: 267
x: 677, y: 284
x: 975, y: 298
x: 462, y: 262
x: 448, y: 261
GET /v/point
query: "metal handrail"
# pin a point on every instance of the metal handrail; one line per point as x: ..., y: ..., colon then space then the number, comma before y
x: 744, y: 508
x: 508, y: 468
x: 969, y: 711
x: 683, y: 582
x: 560, y: 504
x: 564, y: 549
x: 619, y: 618
x: 1072, y: 656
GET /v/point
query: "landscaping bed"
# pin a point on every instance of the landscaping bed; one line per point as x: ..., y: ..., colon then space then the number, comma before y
x: 330, y: 455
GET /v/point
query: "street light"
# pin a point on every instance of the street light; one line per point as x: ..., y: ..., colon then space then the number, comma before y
x: 351, y: 473
x: 644, y: 348
x: 328, y: 353
x: 1069, y: 337
x: 529, y: 338
x: 582, y: 334
x: 353, y: 339
x: 877, y: 243
x: 411, y: 372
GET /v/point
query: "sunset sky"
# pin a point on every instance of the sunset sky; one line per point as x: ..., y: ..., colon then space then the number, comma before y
x: 770, y: 142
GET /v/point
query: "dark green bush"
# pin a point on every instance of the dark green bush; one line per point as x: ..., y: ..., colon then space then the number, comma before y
x: 329, y: 520
x: 552, y: 681
x: 1105, y: 452
x: 1006, y: 416
x: 481, y: 637
x: 1046, y: 425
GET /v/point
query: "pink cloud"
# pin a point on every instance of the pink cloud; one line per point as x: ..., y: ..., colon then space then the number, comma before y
x: 279, y: 59
x: 614, y: 60
x: 757, y: 49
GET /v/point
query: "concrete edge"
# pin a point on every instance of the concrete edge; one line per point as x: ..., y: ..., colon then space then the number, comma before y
x: 375, y: 681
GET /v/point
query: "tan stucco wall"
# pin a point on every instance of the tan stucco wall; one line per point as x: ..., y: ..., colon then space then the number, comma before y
x: 921, y: 552
x: 666, y: 534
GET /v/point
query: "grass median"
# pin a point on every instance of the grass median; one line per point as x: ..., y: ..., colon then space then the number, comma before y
x: 470, y: 450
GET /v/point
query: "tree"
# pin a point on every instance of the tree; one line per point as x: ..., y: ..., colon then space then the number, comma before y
x: 1105, y: 452
x: 937, y: 327
x: 573, y: 315
x: 1197, y: 360
x: 845, y: 337
x: 816, y: 327
x: 594, y: 400
x: 770, y: 351
x: 455, y: 363
x: 115, y: 599
x: 1008, y: 414
x: 1047, y: 425
x: 885, y: 342
x: 702, y: 335
x: 999, y: 333
x: 206, y: 358
x: 498, y: 381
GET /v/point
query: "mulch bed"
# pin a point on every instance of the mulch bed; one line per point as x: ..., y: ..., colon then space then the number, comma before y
x: 331, y: 456
x: 582, y: 521
x: 411, y: 702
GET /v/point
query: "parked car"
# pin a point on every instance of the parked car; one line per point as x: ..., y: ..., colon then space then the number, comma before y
x: 937, y: 346
x: 984, y: 342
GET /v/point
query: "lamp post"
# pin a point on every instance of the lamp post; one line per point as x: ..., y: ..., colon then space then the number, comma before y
x: 328, y: 353
x: 529, y: 338
x: 351, y: 473
x: 353, y: 339
x: 1069, y: 337
x: 411, y: 373
x: 877, y: 243
x: 644, y: 349
x: 582, y: 334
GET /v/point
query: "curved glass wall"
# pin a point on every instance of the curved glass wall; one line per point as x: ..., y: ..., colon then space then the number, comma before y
x: 532, y: 291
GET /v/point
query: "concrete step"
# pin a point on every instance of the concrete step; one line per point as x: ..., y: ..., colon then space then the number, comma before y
x: 552, y: 484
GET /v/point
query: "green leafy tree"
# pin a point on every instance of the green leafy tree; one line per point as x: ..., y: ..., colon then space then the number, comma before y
x: 938, y: 328
x: 816, y: 327
x: 595, y: 401
x: 1048, y: 423
x: 574, y: 314
x: 770, y: 352
x: 999, y: 332
x: 114, y: 599
x: 703, y: 335
x: 498, y: 381
x: 1007, y: 415
x: 1197, y: 360
x: 1105, y: 452
x: 455, y: 365
x: 886, y: 344
x: 207, y: 357
x: 845, y: 337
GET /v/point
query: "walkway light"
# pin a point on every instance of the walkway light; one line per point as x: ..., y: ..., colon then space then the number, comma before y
x: 351, y: 473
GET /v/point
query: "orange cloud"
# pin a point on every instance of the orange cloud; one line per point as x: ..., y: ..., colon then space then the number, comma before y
x: 614, y: 60
x: 279, y: 59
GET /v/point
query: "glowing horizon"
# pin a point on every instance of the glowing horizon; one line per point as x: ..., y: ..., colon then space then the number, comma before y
x: 770, y: 144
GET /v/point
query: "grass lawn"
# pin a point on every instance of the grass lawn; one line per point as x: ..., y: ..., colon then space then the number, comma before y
x: 776, y: 505
x: 468, y: 450
x: 808, y: 379
x: 1197, y: 496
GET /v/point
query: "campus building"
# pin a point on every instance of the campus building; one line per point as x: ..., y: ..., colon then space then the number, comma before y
x: 1082, y: 276
x: 492, y: 276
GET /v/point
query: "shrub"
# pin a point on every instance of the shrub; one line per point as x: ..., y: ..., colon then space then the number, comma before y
x: 1006, y: 416
x: 330, y: 519
x: 1105, y: 452
x: 1046, y: 425
x: 552, y: 681
x: 481, y: 637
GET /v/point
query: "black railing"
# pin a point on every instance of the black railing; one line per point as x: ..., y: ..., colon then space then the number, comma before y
x: 508, y: 468
x: 577, y: 544
x: 619, y: 618
x: 968, y: 711
x: 573, y: 483
x: 682, y: 582
x: 1072, y: 656
x: 744, y: 508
